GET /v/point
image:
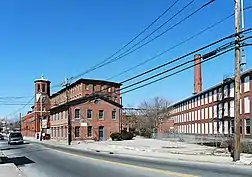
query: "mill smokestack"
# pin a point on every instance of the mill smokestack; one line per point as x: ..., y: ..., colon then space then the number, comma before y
x: 197, y: 74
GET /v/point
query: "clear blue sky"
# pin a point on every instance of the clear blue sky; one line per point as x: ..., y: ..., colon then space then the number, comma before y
x: 64, y: 38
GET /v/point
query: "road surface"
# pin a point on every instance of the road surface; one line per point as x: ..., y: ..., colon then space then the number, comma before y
x: 36, y: 160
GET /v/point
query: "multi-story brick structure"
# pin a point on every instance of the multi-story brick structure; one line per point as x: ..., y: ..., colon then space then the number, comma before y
x: 37, y: 120
x: 211, y: 112
x: 93, y: 107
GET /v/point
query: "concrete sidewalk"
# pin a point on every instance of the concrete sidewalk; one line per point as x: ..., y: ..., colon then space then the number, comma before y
x: 10, y: 170
x: 151, y: 148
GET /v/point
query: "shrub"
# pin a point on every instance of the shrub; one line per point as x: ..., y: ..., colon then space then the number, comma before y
x: 147, y: 133
x: 127, y: 135
x: 116, y: 136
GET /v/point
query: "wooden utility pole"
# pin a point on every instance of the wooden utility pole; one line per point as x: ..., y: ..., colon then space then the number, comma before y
x: 69, y: 123
x: 20, y: 119
x: 237, y: 82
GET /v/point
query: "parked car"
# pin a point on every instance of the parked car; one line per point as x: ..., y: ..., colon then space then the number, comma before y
x: 1, y: 137
x: 15, y: 138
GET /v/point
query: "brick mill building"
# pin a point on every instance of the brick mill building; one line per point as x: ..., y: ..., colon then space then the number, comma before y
x: 211, y: 112
x: 92, y: 105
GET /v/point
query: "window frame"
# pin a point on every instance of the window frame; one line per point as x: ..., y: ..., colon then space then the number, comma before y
x: 91, y: 114
x: 79, y: 112
x: 113, y: 114
x: 101, y: 111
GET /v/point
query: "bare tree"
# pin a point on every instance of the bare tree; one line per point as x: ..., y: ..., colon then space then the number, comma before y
x: 154, y: 112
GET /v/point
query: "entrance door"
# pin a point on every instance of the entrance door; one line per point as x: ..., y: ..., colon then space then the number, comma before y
x: 101, y: 133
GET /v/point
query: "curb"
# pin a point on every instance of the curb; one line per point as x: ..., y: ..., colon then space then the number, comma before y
x: 235, y: 169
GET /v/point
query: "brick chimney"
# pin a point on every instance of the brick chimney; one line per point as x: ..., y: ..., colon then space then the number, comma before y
x: 197, y: 74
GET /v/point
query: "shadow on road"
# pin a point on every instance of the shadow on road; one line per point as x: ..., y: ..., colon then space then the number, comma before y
x: 18, y: 161
x: 11, y: 148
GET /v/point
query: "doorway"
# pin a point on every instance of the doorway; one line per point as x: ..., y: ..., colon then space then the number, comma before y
x: 101, y: 133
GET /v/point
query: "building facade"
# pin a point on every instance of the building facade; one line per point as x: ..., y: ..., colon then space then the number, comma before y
x: 211, y: 112
x: 92, y: 106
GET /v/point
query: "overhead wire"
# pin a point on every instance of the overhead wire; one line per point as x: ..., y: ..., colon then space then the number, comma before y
x: 132, y: 40
x: 146, y: 43
x: 156, y: 37
x: 152, y: 82
x: 174, y: 60
x: 22, y: 107
x: 173, y: 47
x: 139, y: 34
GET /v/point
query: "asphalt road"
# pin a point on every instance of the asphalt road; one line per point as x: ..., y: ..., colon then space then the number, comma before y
x: 36, y: 160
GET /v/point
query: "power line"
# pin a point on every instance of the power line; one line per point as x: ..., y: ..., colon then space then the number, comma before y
x: 186, y: 55
x: 173, y: 47
x: 156, y: 37
x: 22, y: 107
x: 174, y: 60
x: 132, y: 40
x: 214, y: 52
x: 152, y: 82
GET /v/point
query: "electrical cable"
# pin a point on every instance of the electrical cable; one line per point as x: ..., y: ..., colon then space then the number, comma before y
x: 173, y: 47
x: 152, y: 82
x: 156, y: 37
x: 22, y: 106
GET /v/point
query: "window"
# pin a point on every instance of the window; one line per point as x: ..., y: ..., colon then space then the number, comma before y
x: 58, y: 132
x: 202, y: 99
x: 190, y: 116
x: 247, y: 126
x: 215, y: 111
x: 89, y: 114
x: 87, y: 87
x: 215, y: 95
x: 231, y: 94
x: 196, y: 115
x: 192, y: 103
x: 202, y: 114
x: 77, y: 113
x: 109, y: 89
x: 247, y: 105
x: 206, y: 98
x: 64, y: 115
x: 38, y: 90
x: 77, y: 132
x: 113, y: 115
x: 199, y: 101
x: 246, y: 84
x: 101, y: 114
x: 232, y: 108
x: 226, y: 109
x: 90, y: 131
x: 43, y: 87
x: 210, y: 97
x: 206, y: 113
x: 193, y: 116
x: 199, y: 115
x: 225, y: 91
x: 62, y: 135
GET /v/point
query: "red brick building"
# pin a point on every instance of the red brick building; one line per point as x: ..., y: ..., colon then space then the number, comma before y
x: 93, y: 107
x: 211, y: 112
x: 37, y: 120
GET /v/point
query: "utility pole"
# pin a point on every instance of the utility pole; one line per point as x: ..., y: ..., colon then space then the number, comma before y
x: 237, y: 82
x: 66, y: 85
x: 20, y: 119
x: 41, y: 114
